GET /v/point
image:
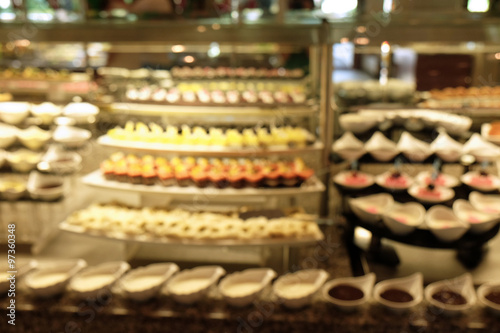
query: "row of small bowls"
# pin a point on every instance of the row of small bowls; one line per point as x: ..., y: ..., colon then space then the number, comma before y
x: 35, y: 138
x: 413, y: 285
x: 480, y: 214
x: 365, y: 120
x: 38, y: 186
x: 16, y: 112
x: 383, y: 149
x: 293, y: 290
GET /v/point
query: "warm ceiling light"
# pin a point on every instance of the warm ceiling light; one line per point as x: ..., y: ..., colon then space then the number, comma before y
x: 201, y: 28
x: 178, y: 48
x: 497, y: 56
x: 189, y: 59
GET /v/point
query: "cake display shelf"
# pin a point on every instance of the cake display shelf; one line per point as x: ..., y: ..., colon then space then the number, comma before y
x: 150, y: 109
x: 146, y: 239
x: 96, y: 179
x: 221, y: 151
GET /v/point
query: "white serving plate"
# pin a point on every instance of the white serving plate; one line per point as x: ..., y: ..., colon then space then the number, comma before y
x: 443, y: 179
x: 92, y: 281
x: 343, y: 179
x: 462, y: 285
x: 53, y: 279
x: 444, y: 224
x: 191, y: 285
x: 242, y: 288
x: 295, y: 290
x: 403, y: 219
x: 364, y: 283
x: 479, y: 182
x: 144, y: 283
x: 445, y: 194
x: 479, y: 222
x: 412, y: 284
x: 370, y: 208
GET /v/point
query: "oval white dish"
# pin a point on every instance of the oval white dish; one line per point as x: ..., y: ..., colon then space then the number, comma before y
x: 295, y: 290
x: 242, y: 288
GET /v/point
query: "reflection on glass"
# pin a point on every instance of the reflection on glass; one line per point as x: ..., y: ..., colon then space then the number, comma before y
x: 6, y: 11
x: 39, y: 11
x: 478, y: 6
x: 339, y: 7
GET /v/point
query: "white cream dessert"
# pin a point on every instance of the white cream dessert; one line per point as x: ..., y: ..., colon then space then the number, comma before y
x: 142, y: 282
x: 297, y: 290
x: 242, y: 289
x: 47, y: 280
x: 190, y: 286
x: 93, y: 282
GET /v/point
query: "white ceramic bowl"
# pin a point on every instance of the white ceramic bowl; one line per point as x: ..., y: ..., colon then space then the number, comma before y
x: 353, y: 180
x: 295, y: 290
x: 481, y: 149
x: 437, y: 195
x: 356, y: 123
x: 486, y: 289
x: 443, y: 179
x: 446, y: 148
x: 80, y: 112
x: 481, y: 182
x: 59, y: 161
x: 479, y: 222
x: 23, y: 160
x: 92, y: 281
x: 461, y: 285
x: 45, y: 187
x: 444, y: 224
x: 34, y: 137
x: 12, y: 187
x: 8, y: 135
x: 348, y: 147
x: 70, y: 136
x: 415, y: 150
x: 242, y: 288
x: 412, y: 284
x: 388, y: 181
x: 363, y: 283
x: 144, y: 283
x: 46, y: 112
x: 402, y: 219
x: 381, y: 148
x: 14, y: 112
x: 191, y: 285
x: 370, y: 208
x: 486, y: 203
x: 52, y: 280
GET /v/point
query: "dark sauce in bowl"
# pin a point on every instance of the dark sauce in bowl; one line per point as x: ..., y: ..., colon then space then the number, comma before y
x: 397, y: 295
x: 346, y: 292
x: 449, y: 297
x: 494, y: 297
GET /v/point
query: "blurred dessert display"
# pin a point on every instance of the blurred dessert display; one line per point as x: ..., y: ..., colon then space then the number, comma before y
x: 351, y: 93
x: 187, y: 73
x: 286, y: 136
x: 461, y: 97
x: 202, y: 172
x: 179, y: 224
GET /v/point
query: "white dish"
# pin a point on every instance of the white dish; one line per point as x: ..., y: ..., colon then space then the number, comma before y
x: 393, y: 181
x: 22, y: 267
x: 371, y: 207
x: 481, y: 181
x: 348, y: 147
x: 402, y: 219
x: 190, y: 285
x: 144, y: 283
x: 34, y: 137
x: 412, y: 285
x: 481, y: 149
x: 446, y: 148
x: 363, y: 283
x: 479, y: 222
x: 415, y: 150
x: 14, y: 112
x: 444, y: 224
x: 381, y: 148
x: 483, y: 291
x: 70, y: 136
x: 425, y: 194
x: 8, y: 135
x: 295, y: 290
x: 242, y: 288
x: 353, y: 179
x: 46, y: 112
x: 45, y: 187
x: 92, y: 281
x: 442, y: 179
x: 52, y: 280
x: 23, y: 160
x: 486, y: 203
x: 59, y: 161
x: 356, y: 123
x: 80, y: 112
x: 461, y: 285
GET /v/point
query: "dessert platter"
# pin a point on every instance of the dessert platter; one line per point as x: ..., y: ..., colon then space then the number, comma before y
x: 178, y: 226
